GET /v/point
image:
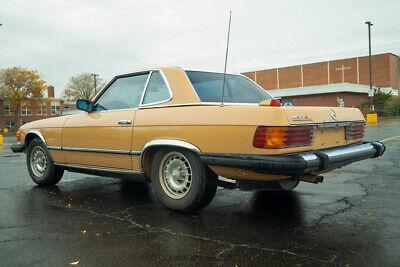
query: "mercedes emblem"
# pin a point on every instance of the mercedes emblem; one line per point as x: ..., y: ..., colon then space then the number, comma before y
x: 333, y: 114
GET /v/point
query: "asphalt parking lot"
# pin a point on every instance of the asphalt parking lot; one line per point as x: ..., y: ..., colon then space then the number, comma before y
x: 352, y: 218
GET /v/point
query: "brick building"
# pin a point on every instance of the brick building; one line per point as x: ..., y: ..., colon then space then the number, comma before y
x: 324, y: 83
x: 50, y: 107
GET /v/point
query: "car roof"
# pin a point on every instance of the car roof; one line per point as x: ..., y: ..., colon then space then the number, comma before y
x: 178, y: 82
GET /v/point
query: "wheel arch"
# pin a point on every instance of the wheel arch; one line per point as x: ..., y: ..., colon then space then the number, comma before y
x: 31, y: 135
x: 151, y: 147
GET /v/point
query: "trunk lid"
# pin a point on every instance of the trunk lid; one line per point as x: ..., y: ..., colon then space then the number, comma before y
x: 330, y: 123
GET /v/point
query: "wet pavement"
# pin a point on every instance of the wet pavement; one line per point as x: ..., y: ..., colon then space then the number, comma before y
x: 352, y: 218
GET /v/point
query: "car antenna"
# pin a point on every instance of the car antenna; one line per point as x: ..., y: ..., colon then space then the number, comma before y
x: 226, y: 58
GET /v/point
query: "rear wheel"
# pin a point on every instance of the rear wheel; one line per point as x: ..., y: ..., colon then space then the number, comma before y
x: 40, y: 165
x: 181, y: 181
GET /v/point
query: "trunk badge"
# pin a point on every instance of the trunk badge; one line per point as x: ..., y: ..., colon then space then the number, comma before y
x: 302, y: 118
x: 333, y: 114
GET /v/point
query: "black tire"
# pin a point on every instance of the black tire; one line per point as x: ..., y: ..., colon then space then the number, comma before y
x: 203, y: 182
x: 51, y: 174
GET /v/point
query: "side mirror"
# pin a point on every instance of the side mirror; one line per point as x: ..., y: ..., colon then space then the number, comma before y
x: 83, y: 104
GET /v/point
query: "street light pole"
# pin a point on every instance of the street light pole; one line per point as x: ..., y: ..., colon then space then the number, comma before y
x: 4, y: 115
x: 370, y: 67
x: 94, y: 78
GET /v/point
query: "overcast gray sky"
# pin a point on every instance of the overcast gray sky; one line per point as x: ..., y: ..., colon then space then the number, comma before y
x: 64, y: 38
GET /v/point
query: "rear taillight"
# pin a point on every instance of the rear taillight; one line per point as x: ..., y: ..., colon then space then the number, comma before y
x: 275, y: 103
x: 355, y: 130
x: 282, y: 137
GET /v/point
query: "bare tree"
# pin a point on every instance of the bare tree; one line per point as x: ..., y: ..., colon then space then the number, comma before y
x: 81, y: 86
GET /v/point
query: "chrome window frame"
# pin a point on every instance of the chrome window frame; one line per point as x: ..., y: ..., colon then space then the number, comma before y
x: 145, y: 90
x: 202, y: 104
x: 149, y: 72
x: 191, y: 85
x: 99, y: 94
x: 240, y: 75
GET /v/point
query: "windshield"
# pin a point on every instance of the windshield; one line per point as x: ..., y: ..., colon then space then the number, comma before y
x: 238, y: 89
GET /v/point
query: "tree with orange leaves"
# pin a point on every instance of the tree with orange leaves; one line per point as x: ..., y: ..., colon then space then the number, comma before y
x: 21, y: 86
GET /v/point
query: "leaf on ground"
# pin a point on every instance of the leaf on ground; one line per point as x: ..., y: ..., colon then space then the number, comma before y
x: 69, y: 205
x: 84, y: 232
x: 369, y: 213
x: 74, y: 263
x: 97, y: 234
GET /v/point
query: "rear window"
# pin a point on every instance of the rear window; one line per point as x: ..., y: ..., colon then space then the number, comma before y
x: 238, y: 89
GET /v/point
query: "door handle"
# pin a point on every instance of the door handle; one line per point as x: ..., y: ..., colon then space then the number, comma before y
x: 125, y: 122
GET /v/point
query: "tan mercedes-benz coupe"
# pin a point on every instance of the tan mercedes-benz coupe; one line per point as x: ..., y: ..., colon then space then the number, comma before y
x: 168, y: 126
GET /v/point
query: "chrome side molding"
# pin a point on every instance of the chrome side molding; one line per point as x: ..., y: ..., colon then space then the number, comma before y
x: 112, y: 151
x: 54, y: 147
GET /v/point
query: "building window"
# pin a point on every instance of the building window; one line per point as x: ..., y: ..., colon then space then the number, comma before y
x: 55, y: 110
x: 25, y: 111
x: 7, y: 111
x: 42, y: 110
x: 10, y: 125
x: 66, y: 108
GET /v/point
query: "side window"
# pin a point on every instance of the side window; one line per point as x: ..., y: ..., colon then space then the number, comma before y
x: 156, y: 90
x: 123, y: 93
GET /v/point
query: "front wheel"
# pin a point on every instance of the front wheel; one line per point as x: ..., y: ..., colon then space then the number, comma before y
x: 181, y: 181
x: 40, y: 165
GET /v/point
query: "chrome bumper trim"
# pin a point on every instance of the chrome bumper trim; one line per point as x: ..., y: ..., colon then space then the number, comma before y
x: 297, y: 163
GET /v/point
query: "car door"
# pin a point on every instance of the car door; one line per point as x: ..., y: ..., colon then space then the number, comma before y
x: 103, y: 137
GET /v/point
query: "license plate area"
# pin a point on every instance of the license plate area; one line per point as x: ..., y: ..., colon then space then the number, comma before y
x: 329, y: 137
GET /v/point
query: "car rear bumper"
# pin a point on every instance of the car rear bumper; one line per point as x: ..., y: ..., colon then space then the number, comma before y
x: 298, y: 163
x: 17, y: 148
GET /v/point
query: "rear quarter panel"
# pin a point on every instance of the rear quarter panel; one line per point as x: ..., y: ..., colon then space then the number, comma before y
x: 230, y: 129
x: 213, y: 129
